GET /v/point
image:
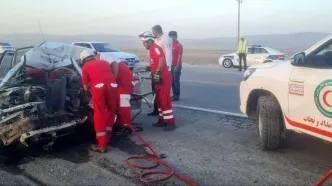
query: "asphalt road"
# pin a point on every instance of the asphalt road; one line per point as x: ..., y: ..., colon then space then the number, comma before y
x: 212, y: 149
x: 211, y: 87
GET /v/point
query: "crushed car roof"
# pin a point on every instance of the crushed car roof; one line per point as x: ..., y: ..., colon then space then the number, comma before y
x: 51, y: 55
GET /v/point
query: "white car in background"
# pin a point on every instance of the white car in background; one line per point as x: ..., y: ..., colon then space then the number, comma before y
x: 5, y: 46
x: 109, y: 52
x: 256, y: 55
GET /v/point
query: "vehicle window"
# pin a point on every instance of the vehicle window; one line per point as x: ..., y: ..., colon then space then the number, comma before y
x: 78, y: 44
x: 261, y: 51
x: 5, y: 63
x: 274, y: 51
x: 321, y: 58
x: 19, y: 54
x: 104, y: 47
x: 255, y: 51
x: 250, y: 50
x: 87, y: 45
x: 323, y: 51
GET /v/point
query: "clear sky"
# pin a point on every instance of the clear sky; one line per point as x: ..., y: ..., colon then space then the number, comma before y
x: 191, y: 18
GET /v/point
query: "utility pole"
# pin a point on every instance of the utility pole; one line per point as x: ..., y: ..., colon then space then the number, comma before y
x: 238, y: 21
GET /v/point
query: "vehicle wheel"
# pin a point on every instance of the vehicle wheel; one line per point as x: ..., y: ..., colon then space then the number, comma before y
x: 269, y: 123
x: 227, y: 63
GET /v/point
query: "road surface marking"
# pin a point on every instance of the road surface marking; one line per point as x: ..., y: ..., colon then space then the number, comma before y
x: 204, y: 110
x: 214, y: 83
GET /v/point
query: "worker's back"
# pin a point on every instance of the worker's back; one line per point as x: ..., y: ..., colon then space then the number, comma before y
x: 125, y: 76
x: 99, y: 72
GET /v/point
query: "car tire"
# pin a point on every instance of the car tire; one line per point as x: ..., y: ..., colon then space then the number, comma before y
x: 227, y: 63
x: 269, y: 123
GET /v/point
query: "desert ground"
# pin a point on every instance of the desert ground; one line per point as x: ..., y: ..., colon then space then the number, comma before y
x: 201, y: 57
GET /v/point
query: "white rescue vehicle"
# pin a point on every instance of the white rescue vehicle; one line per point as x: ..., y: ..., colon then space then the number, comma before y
x: 291, y: 95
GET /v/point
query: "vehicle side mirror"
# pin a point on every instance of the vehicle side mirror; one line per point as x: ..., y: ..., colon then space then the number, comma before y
x: 299, y: 59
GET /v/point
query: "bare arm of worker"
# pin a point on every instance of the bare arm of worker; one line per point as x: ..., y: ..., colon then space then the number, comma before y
x: 115, y: 68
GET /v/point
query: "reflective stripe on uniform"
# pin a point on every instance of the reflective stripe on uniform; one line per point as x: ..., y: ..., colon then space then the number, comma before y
x: 101, y: 134
x: 124, y: 100
x: 114, y: 85
x: 167, y: 111
x: 99, y: 85
x: 109, y: 128
x: 168, y: 117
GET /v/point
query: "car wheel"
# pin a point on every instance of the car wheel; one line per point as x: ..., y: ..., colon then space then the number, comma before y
x: 227, y: 63
x: 269, y: 123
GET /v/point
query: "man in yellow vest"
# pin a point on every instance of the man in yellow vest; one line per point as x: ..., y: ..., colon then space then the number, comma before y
x: 242, y: 53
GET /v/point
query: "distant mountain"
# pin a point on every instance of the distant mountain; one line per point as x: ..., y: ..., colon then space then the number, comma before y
x: 296, y: 41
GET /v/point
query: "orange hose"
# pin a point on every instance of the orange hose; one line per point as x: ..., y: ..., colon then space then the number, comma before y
x: 167, y: 174
x: 326, y: 177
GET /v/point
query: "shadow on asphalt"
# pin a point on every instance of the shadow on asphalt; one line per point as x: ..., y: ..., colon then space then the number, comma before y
x: 73, y: 148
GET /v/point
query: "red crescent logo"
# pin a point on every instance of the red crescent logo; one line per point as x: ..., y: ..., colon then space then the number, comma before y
x: 325, y: 98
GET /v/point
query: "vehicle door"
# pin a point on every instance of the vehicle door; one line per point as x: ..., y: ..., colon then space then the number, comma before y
x: 6, y: 63
x: 259, y: 55
x: 310, y: 93
x: 249, y: 56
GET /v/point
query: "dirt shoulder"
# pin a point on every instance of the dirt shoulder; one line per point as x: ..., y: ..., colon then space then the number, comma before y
x: 197, y: 57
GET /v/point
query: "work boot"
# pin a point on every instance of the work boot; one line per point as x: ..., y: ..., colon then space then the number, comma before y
x: 127, y: 132
x: 169, y: 127
x: 160, y: 123
x: 175, y: 98
x: 117, y: 130
x: 153, y: 113
x: 97, y: 148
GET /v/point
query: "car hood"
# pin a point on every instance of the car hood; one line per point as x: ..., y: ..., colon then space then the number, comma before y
x: 269, y: 65
x: 119, y: 56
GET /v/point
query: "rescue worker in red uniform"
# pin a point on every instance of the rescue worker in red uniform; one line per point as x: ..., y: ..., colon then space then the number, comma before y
x: 163, y: 82
x: 104, y: 96
x: 125, y: 81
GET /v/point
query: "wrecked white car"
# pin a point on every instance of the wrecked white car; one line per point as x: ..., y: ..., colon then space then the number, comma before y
x: 40, y: 95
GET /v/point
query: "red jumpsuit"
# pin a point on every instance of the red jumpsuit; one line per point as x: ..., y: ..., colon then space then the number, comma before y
x: 163, y: 90
x: 104, y: 97
x: 125, y: 81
